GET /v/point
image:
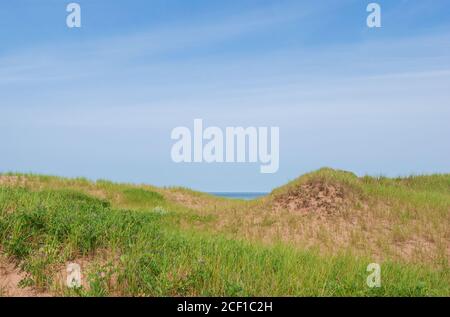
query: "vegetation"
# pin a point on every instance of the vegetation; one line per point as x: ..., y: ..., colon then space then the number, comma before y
x: 147, y: 241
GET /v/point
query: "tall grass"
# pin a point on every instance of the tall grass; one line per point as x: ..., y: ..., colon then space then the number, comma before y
x: 142, y: 253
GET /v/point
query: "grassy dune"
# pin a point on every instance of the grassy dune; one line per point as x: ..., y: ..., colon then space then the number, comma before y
x: 313, y: 237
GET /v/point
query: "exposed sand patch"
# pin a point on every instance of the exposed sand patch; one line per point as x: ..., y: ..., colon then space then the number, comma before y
x: 17, y: 181
x: 186, y: 200
x: 10, y: 277
x: 315, y: 197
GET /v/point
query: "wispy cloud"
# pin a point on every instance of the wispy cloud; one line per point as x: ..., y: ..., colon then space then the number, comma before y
x: 68, y: 60
x: 122, y: 94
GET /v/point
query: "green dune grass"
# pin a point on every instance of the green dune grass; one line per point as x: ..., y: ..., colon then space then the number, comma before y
x: 140, y: 241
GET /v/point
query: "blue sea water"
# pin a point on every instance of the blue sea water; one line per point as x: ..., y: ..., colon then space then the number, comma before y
x: 244, y: 196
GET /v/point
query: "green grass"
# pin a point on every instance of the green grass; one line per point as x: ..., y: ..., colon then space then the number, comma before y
x: 141, y: 251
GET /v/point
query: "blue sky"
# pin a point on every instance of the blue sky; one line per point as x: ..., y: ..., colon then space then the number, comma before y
x: 101, y: 101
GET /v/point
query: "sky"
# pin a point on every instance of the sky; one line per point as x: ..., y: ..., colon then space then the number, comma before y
x: 101, y: 101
